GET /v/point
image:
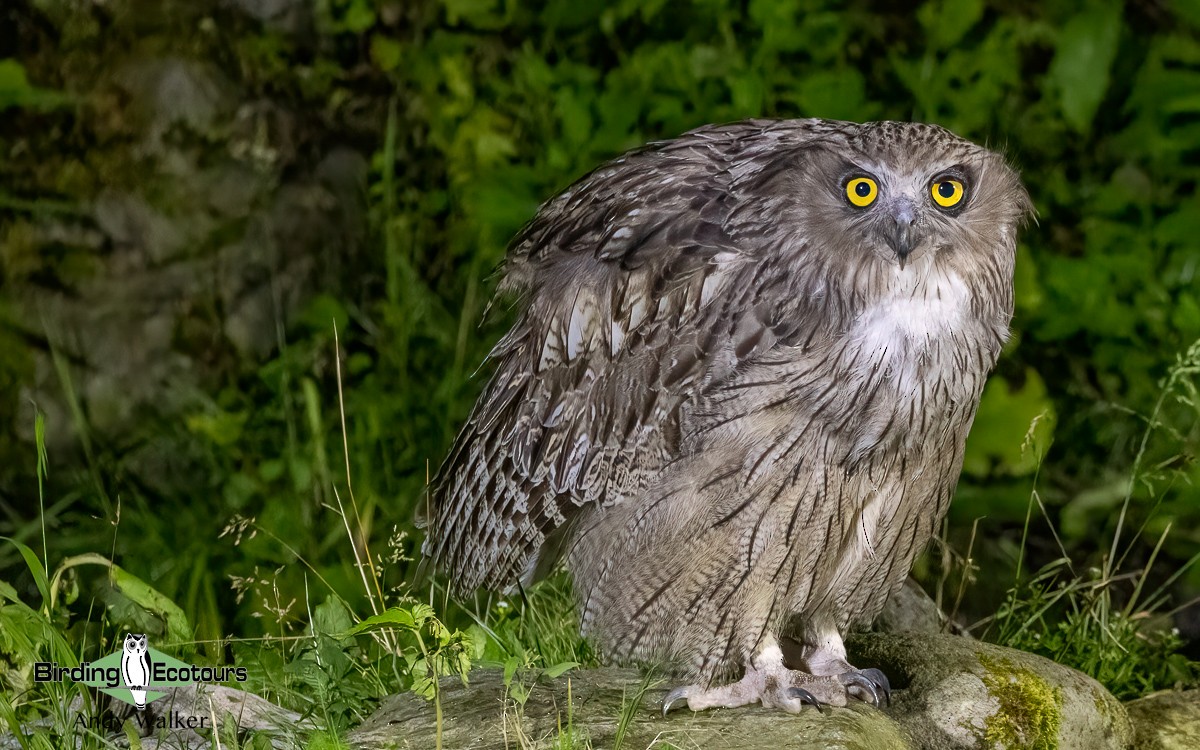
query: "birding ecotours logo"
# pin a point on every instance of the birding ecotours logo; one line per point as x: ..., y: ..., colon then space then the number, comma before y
x: 137, y: 674
x: 136, y: 668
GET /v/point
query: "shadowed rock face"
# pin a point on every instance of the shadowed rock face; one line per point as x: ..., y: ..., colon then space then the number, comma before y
x: 199, y: 216
x: 951, y: 693
x: 1168, y: 720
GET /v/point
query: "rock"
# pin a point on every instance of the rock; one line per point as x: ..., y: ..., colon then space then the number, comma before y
x: 911, y: 609
x: 950, y: 693
x: 956, y: 693
x: 173, y: 91
x: 226, y: 705
x: 590, y: 703
x: 183, y: 719
x: 284, y: 16
x: 1169, y: 720
x: 197, y: 213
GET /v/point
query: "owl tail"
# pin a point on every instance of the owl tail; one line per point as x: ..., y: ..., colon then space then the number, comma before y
x: 139, y: 699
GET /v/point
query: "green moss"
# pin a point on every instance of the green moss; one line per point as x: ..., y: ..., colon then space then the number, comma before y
x: 1030, y: 710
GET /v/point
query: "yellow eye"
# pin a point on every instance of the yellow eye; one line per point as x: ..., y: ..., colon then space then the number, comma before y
x: 861, y: 191
x: 948, y: 193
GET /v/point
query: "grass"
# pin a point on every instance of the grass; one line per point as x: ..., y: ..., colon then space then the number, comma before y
x: 1107, y: 621
x: 630, y: 705
x: 332, y: 673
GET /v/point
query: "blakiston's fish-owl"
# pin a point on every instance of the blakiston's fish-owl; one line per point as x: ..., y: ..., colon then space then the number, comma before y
x: 737, y: 393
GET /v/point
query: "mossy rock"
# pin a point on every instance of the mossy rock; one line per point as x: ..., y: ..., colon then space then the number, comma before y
x: 1168, y: 720
x: 957, y: 693
x: 951, y: 692
x: 586, y: 706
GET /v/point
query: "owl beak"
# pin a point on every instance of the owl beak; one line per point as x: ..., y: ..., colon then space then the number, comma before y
x: 899, y: 233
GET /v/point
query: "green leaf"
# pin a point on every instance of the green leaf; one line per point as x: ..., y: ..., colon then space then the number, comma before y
x: 16, y: 91
x: 1186, y: 10
x: 359, y: 17
x: 14, y: 85
x: 558, y: 669
x: 747, y: 91
x: 519, y: 693
x: 9, y: 593
x: 223, y: 428
x: 478, y: 13
x: 1090, y: 506
x: 1087, y: 46
x: 510, y: 668
x: 836, y: 94
x: 396, y: 617
x: 36, y: 568
x: 179, y: 629
x: 947, y: 22
x: 331, y: 616
x: 386, y: 52
x: 1013, y: 429
x: 574, y: 112
x: 325, y: 313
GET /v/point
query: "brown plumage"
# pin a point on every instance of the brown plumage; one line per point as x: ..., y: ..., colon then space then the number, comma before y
x: 735, y: 401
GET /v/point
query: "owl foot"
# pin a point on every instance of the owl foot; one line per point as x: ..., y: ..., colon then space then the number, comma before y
x: 826, y: 679
x: 823, y: 653
x: 784, y: 689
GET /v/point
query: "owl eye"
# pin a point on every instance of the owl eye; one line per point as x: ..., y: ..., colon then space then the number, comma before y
x: 861, y: 191
x: 948, y: 193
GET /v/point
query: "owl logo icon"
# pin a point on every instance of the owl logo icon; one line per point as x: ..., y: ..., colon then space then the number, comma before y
x: 136, y: 667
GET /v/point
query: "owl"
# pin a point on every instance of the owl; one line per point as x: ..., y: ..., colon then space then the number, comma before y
x: 136, y: 667
x: 736, y: 395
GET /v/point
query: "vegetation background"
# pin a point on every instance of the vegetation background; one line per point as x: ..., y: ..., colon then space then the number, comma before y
x: 393, y: 147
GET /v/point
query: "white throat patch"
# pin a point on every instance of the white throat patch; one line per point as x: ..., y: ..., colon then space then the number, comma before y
x: 920, y: 308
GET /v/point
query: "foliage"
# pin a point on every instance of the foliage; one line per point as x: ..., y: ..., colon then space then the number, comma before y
x: 1075, y: 619
x: 1075, y: 623
x: 16, y: 91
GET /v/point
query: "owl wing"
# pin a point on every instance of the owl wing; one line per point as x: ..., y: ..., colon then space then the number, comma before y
x: 642, y: 287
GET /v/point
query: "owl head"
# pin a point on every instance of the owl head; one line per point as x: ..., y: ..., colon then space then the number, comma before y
x: 134, y: 644
x: 889, y: 204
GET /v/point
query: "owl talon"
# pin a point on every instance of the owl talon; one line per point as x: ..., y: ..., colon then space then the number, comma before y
x: 807, y: 697
x: 881, y: 682
x: 860, y: 687
x: 868, y: 685
x: 674, y: 696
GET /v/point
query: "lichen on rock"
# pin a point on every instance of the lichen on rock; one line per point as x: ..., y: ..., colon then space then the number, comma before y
x: 1030, y: 713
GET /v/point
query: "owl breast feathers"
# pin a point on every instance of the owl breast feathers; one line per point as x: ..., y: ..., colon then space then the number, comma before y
x: 737, y: 392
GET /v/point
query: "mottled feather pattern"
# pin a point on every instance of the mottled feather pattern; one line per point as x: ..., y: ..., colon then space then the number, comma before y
x: 725, y: 404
